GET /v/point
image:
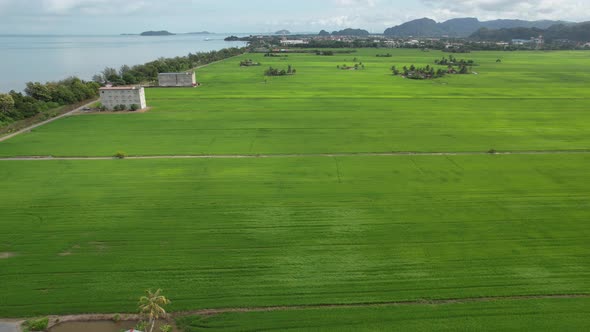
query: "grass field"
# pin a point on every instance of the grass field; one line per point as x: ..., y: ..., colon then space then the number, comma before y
x: 531, y: 101
x: 545, y: 315
x: 83, y: 236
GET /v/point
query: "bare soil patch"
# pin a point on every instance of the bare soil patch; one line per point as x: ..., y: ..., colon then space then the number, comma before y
x: 6, y: 255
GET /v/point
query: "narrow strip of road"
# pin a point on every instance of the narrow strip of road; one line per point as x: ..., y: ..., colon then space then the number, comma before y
x: 26, y: 130
x: 305, y: 155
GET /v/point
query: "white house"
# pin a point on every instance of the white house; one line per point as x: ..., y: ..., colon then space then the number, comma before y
x: 187, y: 79
x: 110, y: 97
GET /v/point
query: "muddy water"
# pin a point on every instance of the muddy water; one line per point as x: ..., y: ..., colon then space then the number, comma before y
x: 99, y: 326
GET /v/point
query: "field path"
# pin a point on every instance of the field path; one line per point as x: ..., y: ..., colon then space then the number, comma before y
x: 25, y: 130
x: 305, y: 155
x: 210, y: 312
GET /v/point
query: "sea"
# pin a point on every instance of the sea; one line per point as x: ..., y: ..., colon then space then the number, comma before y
x: 43, y: 58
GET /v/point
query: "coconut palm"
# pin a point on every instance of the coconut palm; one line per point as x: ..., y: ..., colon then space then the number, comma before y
x: 151, y: 305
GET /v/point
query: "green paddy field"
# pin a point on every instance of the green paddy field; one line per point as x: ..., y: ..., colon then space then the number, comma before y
x: 86, y: 236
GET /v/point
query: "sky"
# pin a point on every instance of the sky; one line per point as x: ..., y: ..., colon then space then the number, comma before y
x: 249, y: 16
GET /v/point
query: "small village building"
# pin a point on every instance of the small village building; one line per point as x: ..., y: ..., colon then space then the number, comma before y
x: 291, y: 42
x: 110, y: 97
x: 187, y: 79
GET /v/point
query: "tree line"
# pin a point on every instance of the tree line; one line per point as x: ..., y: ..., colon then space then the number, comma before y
x: 41, y: 97
x: 148, y: 72
x: 428, y: 72
x: 454, y: 61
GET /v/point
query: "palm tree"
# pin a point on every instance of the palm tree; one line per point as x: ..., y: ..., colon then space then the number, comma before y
x: 151, y: 305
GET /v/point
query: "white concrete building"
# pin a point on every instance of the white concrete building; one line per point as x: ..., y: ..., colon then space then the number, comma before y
x: 187, y: 79
x: 122, y: 95
x: 290, y: 42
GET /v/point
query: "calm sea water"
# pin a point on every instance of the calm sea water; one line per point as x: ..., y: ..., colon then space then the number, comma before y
x: 49, y: 58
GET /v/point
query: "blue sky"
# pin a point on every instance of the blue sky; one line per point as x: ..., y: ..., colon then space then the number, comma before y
x: 132, y: 16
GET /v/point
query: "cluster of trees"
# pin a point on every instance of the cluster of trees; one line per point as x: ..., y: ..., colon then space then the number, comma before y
x: 149, y: 72
x: 276, y: 72
x: 454, y: 62
x: 356, y: 66
x: 41, y: 97
x: 326, y: 53
x: 419, y: 73
x: 388, y: 55
x: 428, y: 72
x: 249, y: 63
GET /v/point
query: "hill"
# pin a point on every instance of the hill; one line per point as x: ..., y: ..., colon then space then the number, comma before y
x: 460, y: 27
x: 351, y: 32
x: 157, y: 33
x: 283, y: 32
x: 576, y: 32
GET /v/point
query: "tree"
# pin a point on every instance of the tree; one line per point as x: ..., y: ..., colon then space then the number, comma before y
x: 151, y: 305
x: 6, y: 103
x: 38, y: 91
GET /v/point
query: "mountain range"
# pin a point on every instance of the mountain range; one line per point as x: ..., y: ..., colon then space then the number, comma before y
x: 573, y: 32
x: 461, y: 27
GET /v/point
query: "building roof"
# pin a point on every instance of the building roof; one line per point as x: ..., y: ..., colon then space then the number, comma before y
x: 120, y: 88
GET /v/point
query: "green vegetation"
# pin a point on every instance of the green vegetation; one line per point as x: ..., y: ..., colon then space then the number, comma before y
x: 527, y: 315
x: 149, y: 72
x: 452, y: 61
x: 280, y: 72
x: 306, y: 228
x: 508, y: 107
x: 44, y: 98
x: 36, y: 325
x: 249, y: 63
x: 151, y: 306
x: 287, y: 231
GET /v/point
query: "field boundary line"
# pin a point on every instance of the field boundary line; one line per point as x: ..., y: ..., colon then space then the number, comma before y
x: 211, y: 312
x: 304, y: 155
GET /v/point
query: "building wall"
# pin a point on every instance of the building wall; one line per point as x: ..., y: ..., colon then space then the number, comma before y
x: 113, y: 97
x: 177, y: 79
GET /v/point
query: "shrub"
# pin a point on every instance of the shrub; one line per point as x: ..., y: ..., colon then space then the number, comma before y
x: 166, y: 328
x: 134, y: 107
x: 116, y: 318
x: 492, y: 151
x: 39, y: 324
x: 141, y: 326
x: 120, y: 155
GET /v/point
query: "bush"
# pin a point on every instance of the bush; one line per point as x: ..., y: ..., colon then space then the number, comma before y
x: 166, y: 328
x: 116, y: 318
x: 141, y: 326
x: 134, y: 108
x: 120, y: 155
x: 39, y: 324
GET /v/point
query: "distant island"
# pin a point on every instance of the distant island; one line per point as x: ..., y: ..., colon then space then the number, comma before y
x: 157, y: 33
x: 283, y: 32
x: 200, y: 33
